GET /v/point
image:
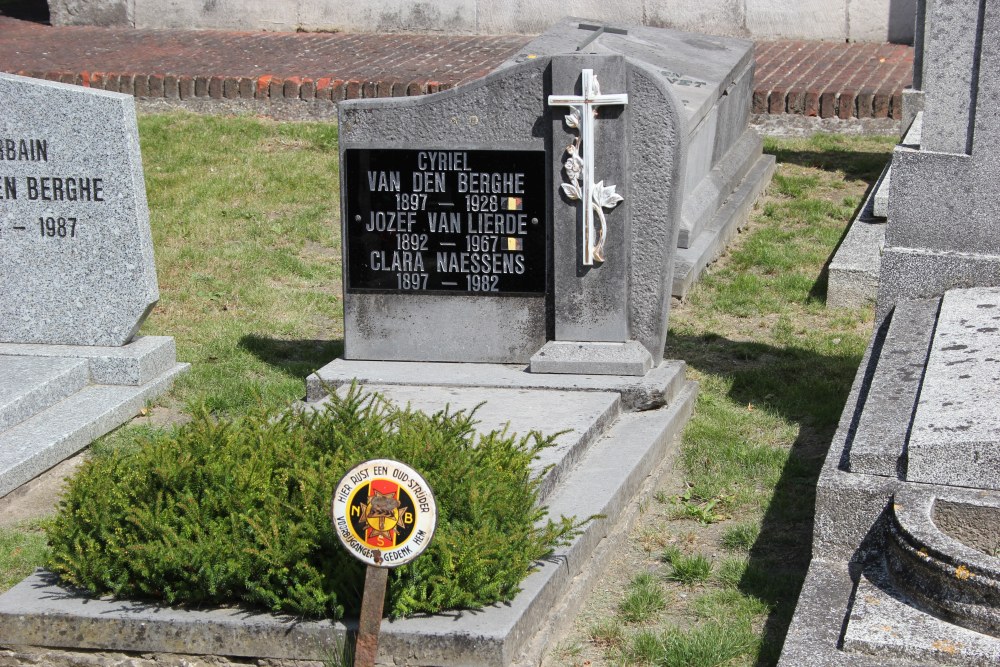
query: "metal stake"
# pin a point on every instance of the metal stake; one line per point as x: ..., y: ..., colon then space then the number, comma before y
x: 366, y: 646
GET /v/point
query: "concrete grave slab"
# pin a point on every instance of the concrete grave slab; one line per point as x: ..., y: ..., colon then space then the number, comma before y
x: 52, y: 435
x: 76, y: 249
x: 32, y: 384
x: 847, y: 534
x: 654, y: 390
x: 578, y: 417
x: 137, y: 363
x: 848, y: 599
x: 854, y: 268
x: 38, y: 612
x: 857, y: 264
x: 56, y: 399
x: 881, y: 433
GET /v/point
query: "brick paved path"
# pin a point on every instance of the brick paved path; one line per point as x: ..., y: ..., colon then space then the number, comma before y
x: 826, y: 79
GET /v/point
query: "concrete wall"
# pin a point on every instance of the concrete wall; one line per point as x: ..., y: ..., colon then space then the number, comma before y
x: 853, y: 20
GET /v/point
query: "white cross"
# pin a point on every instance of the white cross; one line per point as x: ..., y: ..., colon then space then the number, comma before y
x: 586, y: 105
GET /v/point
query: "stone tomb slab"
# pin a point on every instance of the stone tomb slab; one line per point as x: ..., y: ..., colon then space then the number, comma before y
x: 884, y: 626
x: 955, y: 439
x: 604, y: 482
x: 137, y: 363
x: 880, y: 436
x: 854, y: 268
x: 654, y: 390
x: 76, y: 254
x: 56, y: 399
x: 30, y: 384
x: 579, y: 418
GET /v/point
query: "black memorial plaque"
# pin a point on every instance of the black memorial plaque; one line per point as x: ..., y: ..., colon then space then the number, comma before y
x: 469, y: 221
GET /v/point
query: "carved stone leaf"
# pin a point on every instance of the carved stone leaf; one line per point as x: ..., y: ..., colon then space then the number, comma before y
x: 573, y: 119
x: 571, y: 190
x: 606, y: 197
x: 612, y: 200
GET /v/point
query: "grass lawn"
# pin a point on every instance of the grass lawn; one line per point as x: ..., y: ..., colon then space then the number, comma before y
x: 719, y: 556
x: 244, y: 215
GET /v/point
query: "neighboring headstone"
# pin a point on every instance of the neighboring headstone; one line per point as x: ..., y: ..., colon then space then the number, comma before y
x: 76, y: 255
x: 901, y: 573
x: 944, y: 200
x: 466, y: 235
x: 76, y: 263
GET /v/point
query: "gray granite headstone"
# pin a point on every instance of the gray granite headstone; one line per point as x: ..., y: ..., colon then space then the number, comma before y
x: 76, y: 274
x: 76, y: 255
x: 487, y: 128
x: 944, y: 200
x: 464, y: 240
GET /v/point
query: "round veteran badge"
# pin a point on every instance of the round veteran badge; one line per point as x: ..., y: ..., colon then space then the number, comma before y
x: 384, y: 512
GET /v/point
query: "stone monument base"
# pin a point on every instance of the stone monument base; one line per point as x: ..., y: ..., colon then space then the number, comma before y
x: 56, y: 399
x: 619, y: 436
x: 854, y: 267
x: 905, y: 566
x: 592, y: 358
x: 857, y: 263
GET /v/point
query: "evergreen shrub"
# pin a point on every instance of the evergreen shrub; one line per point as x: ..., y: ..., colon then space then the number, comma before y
x: 220, y: 513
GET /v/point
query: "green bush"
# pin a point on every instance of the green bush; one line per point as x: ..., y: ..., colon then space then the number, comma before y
x: 239, y: 512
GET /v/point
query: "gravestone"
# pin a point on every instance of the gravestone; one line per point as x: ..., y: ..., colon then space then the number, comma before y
x: 903, y: 571
x: 465, y: 242
x: 711, y: 81
x: 944, y: 199
x: 76, y: 263
x: 534, y: 215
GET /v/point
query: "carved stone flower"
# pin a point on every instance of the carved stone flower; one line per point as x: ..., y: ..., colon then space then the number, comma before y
x: 574, y: 164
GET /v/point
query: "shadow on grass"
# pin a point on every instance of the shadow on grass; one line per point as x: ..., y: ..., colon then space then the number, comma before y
x: 854, y: 164
x: 802, y: 387
x: 295, y: 358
